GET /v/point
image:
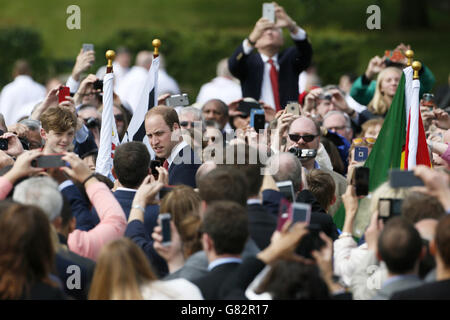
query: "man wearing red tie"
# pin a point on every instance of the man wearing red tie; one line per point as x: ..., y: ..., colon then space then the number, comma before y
x: 268, y: 74
x: 162, y: 128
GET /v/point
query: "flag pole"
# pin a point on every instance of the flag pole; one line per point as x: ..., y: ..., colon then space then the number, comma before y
x: 156, y: 43
x: 416, y: 65
x: 410, y: 55
x: 110, y: 56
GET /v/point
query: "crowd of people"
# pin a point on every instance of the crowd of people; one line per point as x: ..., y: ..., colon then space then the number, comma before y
x: 67, y: 232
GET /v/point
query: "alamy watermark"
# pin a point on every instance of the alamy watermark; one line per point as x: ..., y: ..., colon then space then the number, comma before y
x: 74, y: 20
x: 374, y: 20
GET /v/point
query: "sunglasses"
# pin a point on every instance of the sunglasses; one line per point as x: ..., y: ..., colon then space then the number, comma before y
x: 118, y: 117
x: 358, y: 141
x: 192, y: 123
x: 306, y: 138
x: 243, y: 115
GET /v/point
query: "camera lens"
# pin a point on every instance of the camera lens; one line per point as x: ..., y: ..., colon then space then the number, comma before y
x: 92, y: 122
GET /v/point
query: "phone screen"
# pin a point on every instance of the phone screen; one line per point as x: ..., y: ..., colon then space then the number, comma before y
x: 257, y: 120
x: 286, y: 189
x: 384, y: 208
x: 49, y: 161
x: 403, y: 178
x: 301, y: 212
x: 362, y: 181
x: 165, y: 226
x: 361, y: 154
x: 269, y: 11
x: 284, y: 213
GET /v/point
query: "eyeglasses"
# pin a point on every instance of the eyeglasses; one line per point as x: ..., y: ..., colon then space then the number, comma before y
x: 192, y: 123
x: 306, y: 138
x: 358, y: 141
x: 243, y: 115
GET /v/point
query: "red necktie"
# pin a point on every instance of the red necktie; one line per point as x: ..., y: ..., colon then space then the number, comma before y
x: 166, y: 165
x: 274, y: 82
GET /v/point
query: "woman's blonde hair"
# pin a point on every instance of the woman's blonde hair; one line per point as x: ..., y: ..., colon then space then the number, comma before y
x: 380, y: 104
x: 183, y: 203
x: 121, y: 268
x: 385, y: 191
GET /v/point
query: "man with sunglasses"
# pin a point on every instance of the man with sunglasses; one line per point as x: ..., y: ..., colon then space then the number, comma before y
x: 304, y: 133
x: 190, y: 117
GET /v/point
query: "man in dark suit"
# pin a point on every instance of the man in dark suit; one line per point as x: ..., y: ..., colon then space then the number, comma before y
x: 268, y: 74
x: 262, y: 224
x: 131, y: 166
x: 440, y: 247
x: 400, y: 247
x: 225, y: 232
x: 162, y: 128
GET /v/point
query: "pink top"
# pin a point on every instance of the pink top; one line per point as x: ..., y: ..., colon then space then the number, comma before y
x: 112, y: 223
x: 112, y: 220
x: 446, y: 154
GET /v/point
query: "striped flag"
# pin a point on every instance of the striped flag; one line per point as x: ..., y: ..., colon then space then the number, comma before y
x: 109, y: 138
x: 136, y: 128
x: 401, y: 142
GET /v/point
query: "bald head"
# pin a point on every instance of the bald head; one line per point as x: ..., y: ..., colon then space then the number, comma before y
x: 205, y: 168
x: 144, y: 59
x: 286, y: 167
x: 427, y: 228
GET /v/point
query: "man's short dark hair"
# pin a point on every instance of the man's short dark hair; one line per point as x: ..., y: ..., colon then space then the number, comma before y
x: 322, y: 186
x: 243, y: 162
x: 418, y: 206
x: 399, y: 245
x: 131, y: 163
x: 223, y: 183
x: 227, y: 224
x: 443, y: 239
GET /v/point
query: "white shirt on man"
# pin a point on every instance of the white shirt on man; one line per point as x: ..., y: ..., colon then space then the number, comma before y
x: 15, y: 95
x: 220, y: 88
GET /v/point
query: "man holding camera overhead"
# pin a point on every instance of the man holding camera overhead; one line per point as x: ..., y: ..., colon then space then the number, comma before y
x: 268, y: 74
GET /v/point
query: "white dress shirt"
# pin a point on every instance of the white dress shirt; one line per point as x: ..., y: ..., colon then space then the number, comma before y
x: 219, y: 88
x: 18, y: 94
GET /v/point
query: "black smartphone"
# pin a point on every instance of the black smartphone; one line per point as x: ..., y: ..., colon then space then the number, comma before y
x: 164, y: 219
x: 153, y: 165
x: 98, y: 85
x: 310, y: 242
x: 388, y: 208
x: 403, y: 179
x: 257, y: 119
x: 361, y: 181
x: 49, y: 161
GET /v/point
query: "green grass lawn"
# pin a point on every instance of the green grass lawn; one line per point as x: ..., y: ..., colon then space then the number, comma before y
x: 101, y: 19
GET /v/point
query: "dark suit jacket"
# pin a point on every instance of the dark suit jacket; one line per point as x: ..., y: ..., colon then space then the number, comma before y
x: 318, y: 214
x: 271, y: 200
x: 137, y: 233
x: 86, y: 219
x: 125, y: 199
x: 184, y: 167
x: 439, y: 290
x: 262, y: 224
x: 249, y: 69
x: 211, y: 283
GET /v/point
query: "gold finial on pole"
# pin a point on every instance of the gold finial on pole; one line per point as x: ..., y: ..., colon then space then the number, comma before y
x: 110, y: 56
x: 156, y: 43
x: 409, y: 54
x: 416, y: 65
